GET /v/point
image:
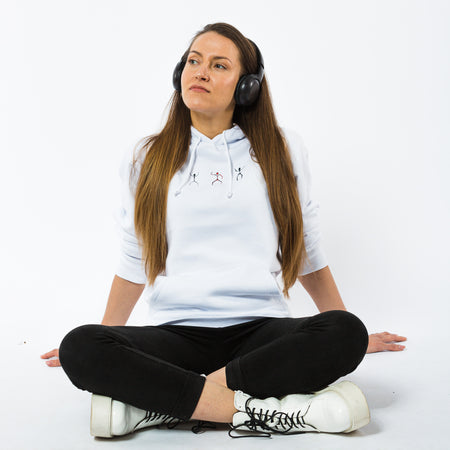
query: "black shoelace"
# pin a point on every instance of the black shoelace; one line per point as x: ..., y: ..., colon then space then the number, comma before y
x: 283, y: 422
x: 171, y: 422
x: 258, y: 423
x: 201, y: 426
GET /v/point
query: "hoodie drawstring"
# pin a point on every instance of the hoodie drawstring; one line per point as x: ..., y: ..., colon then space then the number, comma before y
x: 230, y: 165
x: 189, y: 171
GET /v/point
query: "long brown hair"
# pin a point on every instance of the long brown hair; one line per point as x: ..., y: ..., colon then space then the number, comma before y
x: 163, y: 154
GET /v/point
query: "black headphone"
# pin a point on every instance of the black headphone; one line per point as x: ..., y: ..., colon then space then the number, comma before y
x: 247, y: 88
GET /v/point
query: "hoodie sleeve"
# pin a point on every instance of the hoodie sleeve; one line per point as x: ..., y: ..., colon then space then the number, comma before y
x: 316, y: 258
x: 130, y: 265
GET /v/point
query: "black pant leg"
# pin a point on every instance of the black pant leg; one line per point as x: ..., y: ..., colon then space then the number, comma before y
x: 287, y: 356
x: 135, y: 365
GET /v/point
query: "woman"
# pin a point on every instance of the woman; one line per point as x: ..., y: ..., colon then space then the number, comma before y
x: 215, y: 206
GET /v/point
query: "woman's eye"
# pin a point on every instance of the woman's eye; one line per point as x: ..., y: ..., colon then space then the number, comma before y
x: 194, y: 62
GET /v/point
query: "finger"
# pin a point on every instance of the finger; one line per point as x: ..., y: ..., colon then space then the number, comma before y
x: 53, y: 363
x: 394, y: 347
x: 391, y: 337
x: 51, y: 354
x: 387, y: 333
x: 397, y: 338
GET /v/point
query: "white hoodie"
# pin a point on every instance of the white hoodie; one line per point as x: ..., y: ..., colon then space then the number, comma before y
x: 221, y: 267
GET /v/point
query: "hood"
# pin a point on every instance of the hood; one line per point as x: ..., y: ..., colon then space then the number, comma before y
x: 223, y: 143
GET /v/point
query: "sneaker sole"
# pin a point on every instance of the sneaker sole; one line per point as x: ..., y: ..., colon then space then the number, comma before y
x: 101, y: 410
x: 356, y: 402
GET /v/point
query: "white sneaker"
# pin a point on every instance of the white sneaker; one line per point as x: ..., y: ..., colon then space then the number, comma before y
x: 340, y: 408
x: 113, y: 418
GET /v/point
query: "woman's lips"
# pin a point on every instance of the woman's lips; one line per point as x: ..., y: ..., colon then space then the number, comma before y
x: 198, y: 89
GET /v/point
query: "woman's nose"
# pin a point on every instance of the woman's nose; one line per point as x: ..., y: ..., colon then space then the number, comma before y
x: 202, y: 73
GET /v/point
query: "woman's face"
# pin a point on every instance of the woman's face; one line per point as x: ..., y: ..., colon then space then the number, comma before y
x: 210, y: 75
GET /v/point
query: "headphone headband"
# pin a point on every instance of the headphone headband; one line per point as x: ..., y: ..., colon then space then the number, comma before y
x: 247, y: 88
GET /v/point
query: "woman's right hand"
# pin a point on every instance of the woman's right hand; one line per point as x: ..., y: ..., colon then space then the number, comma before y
x: 52, y: 354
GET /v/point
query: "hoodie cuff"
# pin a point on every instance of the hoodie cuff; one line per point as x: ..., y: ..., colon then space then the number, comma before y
x: 315, y: 260
x: 131, y: 269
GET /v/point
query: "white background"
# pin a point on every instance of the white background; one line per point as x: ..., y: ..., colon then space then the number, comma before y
x: 366, y: 83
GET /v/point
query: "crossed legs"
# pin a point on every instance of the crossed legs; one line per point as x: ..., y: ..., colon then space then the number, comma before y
x: 157, y: 368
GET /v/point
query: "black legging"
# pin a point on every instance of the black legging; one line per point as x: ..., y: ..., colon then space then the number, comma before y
x: 157, y: 368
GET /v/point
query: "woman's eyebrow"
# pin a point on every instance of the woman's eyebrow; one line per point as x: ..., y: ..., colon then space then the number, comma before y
x: 214, y: 57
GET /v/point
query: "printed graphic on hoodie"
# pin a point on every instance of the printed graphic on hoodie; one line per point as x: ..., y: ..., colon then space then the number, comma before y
x: 239, y: 174
x: 219, y: 177
x: 194, y: 177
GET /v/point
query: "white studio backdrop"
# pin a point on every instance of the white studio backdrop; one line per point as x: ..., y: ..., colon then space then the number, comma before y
x: 366, y: 83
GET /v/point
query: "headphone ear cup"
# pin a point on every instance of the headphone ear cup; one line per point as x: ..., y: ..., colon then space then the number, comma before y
x: 247, y: 90
x: 176, y: 77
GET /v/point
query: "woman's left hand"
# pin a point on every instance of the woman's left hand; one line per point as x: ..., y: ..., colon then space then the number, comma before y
x: 379, y: 342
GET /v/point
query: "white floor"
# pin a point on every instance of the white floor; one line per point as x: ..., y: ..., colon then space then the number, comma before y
x: 408, y: 394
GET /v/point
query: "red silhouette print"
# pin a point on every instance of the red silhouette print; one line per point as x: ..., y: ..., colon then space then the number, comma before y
x: 219, y: 177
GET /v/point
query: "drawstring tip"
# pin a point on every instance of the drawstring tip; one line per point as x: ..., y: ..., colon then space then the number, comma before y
x: 230, y: 194
x: 177, y: 193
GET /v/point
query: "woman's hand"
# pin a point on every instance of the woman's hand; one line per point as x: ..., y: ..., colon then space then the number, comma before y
x: 380, y: 342
x: 52, y: 362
